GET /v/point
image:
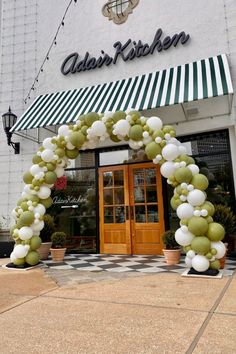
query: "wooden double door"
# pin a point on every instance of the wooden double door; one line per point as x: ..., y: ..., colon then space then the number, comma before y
x: 131, y: 209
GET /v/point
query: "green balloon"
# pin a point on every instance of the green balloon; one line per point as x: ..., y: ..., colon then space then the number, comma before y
x: 118, y: 116
x: 213, y: 251
x: 209, y: 255
x: 215, y: 232
x: 24, y: 206
x: 136, y: 132
x: 175, y: 203
x: 135, y: 115
x: 32, y: 258
x: 72, y: 154
x: 35, y: 243
x: 158, y: 134
x: 60, y: 152
x: 183, y: 174
x: 190, y: 161
x: 90, y: 118
x: 36, y: 159
x: 200, y: 181
x: 197, y: 225
x: 215, y: 264
x: 152, y: 150
x: 114, y: 138
x: 46, y: 202
x: 19, y: 261
x: 27, y: 178
x: 33, y: 198
x: 50, y: 166
x: 84, y: 129
x: 167, y: 128
x: 77, y: 139
x: 209, y: 207
x: 20, y: 201
x: 26, y: 218
x: 201, y: 245
x: 50, y: 177
x: 209, y: 219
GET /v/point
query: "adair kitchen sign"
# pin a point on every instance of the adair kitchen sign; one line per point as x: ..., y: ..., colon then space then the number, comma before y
x: 127, y: 51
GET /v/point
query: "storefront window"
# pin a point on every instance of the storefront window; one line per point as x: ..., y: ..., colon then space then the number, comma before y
x: 121, y: 156
x: 74, y: 210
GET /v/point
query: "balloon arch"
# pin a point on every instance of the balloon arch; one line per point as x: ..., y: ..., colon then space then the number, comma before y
x: 199, y: 235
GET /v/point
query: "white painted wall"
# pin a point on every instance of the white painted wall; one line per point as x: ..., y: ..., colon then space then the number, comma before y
x: 28, y: 27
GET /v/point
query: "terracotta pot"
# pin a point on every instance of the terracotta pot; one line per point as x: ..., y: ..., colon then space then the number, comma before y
x: 44, y: 250
x: 57, y: 254
x: 172, y: 256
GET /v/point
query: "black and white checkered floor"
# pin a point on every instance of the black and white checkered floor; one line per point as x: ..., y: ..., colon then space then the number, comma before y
x: 124, y: 263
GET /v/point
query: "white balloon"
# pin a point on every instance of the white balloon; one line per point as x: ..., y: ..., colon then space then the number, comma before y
x: 44, y: 192
x: 63, y: 130
x: 47, y: 144
x: 98, y: 128
x: 183, y: 238
x: 147, y: 140
x: 190, y: 254
x: 220, y: 248
x: 168, y: 169
x: 170, y: 152
x: 35, y: 169
x: 188, y: 262
x: 200, y: 263
x: 59, y: 171
x: 134, y: 144
x: 25, y: 233
x: 185, y: 211
x: 196, y: 197
x: 69, y: 146
x: 182, y: 150
x: 47, y: 155
x: 122, y: 127
x: 36, y: 227
x: 154, y: 123
x: 20, y: 251
x: 13, y: 258
x: 193, y: 168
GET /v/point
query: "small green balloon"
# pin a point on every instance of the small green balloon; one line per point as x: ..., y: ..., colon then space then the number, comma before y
x: 197, y: 225
x: 50, y: 166
x: 209, y: 219
x: 33, y: 198
x: 175, y: 203
x: 72, y: 154
x: 201, y: 245
x: 209, y: 255
x: 114, y: 138
x: 32, y: 258
x: 60, y: 152
x: 215, y: 232
x: 46, y: 202
x: 77, y: 139
x: 26, y: 218
x: 209, y: 207
x: 36, y: 159
x: 35, y: 243
x: 118, y: 116
x: 152, y: 150
x: 90, y: 118
x: 136, y: 132
x: 27, y: 178
x: 50, y: 177
x: 183, y: 174
x: 24, y: 206
x: 19, y: 261
x: 158, y: 134
x: 213, y: 251
x: 200, y: 181
x: 215, y: 264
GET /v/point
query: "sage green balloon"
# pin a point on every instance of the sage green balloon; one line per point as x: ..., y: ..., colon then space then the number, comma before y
x: 72, y: 154
x: 215, y: 232
x: 183, y: 174
x: 27, y: 178
x: 168, y: 128
x: 118, y: 116
x: 136, y: 132
x: 152, y: 150
x: 209, y: 219
x: 200, y: 181
x: 135, y: 115
x: 209, y: 207
x: 175, y: 203
x: 60, y: 152
x: 215, y: 264
x: 197, y: 225
x: 32, y: 258
x: 84, y: 129
x: 33, y: 198
x: 19, y: 261
x: 50, y: 166
x: 213, y: 251
x: 36, y: 159
x: 158, y: 134
x: 19, y: 201
x: 190, y: 160
x: 35, y: 243
x: 24, y: 206
x: 50, y: 177
x: 46, y: 202
x: 26, y: 218
x: 77, y: 139
x: 114, y: 138
x: 209, y: 255
x: 201, y: 245
x: 90, y: 118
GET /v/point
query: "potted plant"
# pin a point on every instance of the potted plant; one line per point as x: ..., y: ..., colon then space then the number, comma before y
x: 45, y: 235
x: 172, y: 250
x: 58, y: 246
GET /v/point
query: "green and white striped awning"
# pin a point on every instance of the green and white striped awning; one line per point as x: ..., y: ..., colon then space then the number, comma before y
x: 185, y: 83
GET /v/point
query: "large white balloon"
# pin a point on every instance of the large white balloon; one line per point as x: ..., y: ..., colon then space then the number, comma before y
x: 35, y: 169
x: 36, y: 227
x: 185, y: 211
x: 167, y: 169
x: 98, y: 128
x: 63, y: 130
x: 122, y: 127
x: 182, y: 150
x: 44, y: 192
x: 220, y: 248
x: 154, y: 123
x: 196, y: 197
x: 25, y: 233
x: 170, y: 152
x: 194, y: 169
x: 47, y: 155
x: 59, y: 171
x: 40, y: 208
x: 183, y: 238
x: 200, y: 263
x: 47, y: 144
x: 20, y: 251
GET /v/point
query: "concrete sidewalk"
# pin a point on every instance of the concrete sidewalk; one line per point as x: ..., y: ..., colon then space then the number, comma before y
x: 124, y: 314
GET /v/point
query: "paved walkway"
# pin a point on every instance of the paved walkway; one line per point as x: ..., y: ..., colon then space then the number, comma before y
x: 123, y: 313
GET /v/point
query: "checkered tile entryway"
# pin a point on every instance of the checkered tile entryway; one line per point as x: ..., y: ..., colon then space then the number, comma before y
x: 124, y: 263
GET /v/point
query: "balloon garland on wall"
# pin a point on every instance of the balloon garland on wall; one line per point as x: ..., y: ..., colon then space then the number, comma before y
x: 199, y: 235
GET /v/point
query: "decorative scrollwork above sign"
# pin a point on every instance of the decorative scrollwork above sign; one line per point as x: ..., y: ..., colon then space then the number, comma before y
x: 119, y: 10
